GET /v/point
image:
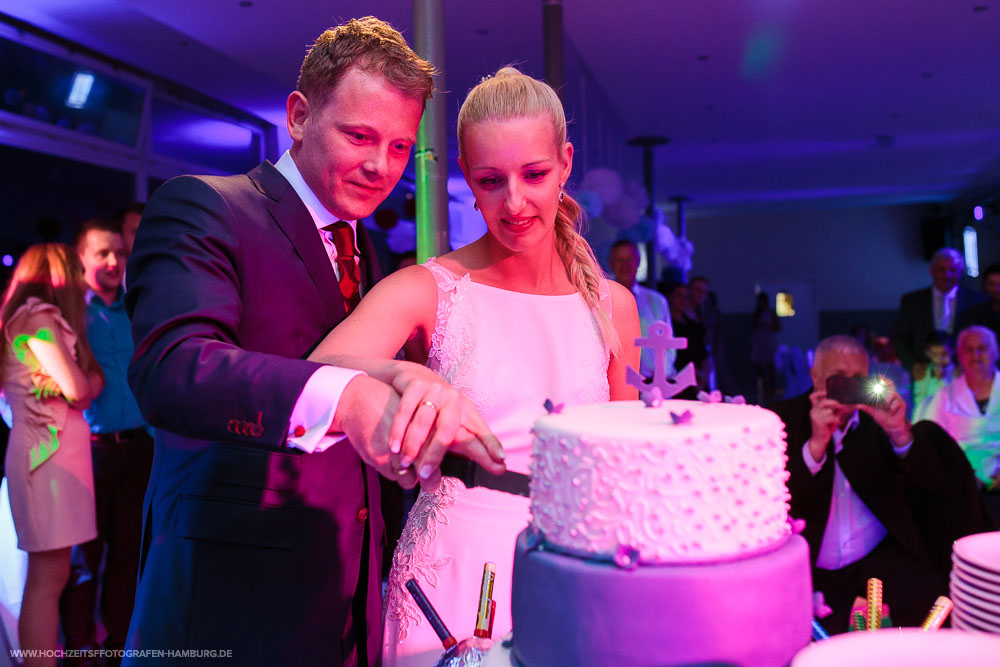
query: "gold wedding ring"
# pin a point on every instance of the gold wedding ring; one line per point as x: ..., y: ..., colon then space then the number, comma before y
x: 430, y: 405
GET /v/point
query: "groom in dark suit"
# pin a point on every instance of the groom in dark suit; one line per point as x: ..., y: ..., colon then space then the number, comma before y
x: 262, y: 532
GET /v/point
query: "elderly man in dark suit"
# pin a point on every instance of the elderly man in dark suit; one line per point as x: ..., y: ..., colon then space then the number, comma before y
x: 263, y: 533
x: 986, y: 313
x: 933, y: 308
x: 880, y: 498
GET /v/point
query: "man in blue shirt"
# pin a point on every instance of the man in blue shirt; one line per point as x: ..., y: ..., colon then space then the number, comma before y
x: 122, y: 452
x: 624, y: 261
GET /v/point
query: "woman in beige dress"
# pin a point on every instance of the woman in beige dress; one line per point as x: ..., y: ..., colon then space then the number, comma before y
x: 49, y: 375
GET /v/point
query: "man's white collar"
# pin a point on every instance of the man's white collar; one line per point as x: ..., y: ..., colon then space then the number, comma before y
x: 321, y: 216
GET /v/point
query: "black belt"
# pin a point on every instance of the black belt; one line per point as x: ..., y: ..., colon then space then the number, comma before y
x: 115, y: 437
x: 472, y: 475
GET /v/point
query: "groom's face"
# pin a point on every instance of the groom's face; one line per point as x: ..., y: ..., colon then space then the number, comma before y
x: 352, y: 148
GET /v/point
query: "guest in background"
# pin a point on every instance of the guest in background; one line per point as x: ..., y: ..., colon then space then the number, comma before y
x: 880, y: 498
x: 122, y: 451
x: 128, y: 220
x: 936, y: 374
x: 968, y: 408
x: 764, y: 328
x: 861, y: 333
x: 986, y: 313
x: 49, y: 375
x: 653, y: 307
x: 705, y: 308
x: 679, y: 298
x: 931, y: 308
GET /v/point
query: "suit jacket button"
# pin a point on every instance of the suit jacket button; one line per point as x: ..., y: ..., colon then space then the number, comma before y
x: 362, y: 514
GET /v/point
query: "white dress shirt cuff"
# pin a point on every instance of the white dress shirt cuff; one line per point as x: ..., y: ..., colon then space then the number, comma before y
x: 314, y: 410
x: 814, y: 466
x: 904, y: 450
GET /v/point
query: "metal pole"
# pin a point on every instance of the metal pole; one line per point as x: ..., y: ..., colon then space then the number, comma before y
x: 552, y: 39
x: 681, y: 224
x: 648, y: 144
x: 431, y: 151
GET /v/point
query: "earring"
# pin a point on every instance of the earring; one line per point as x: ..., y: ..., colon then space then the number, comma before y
x: 475, y: 205
x: 562, y: 196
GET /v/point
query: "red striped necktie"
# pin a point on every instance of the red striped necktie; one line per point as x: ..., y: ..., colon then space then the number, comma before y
x: 347, y: 266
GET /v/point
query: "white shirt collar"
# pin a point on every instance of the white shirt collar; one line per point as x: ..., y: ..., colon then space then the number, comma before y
x: 321, y: 216
x: 950, y: 294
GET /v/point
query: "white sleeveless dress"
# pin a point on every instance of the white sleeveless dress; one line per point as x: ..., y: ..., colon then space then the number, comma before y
x: 507, y: 352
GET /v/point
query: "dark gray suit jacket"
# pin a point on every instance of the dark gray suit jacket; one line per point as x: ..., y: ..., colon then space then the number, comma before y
x: 916, y: 322
x: 248, y: 545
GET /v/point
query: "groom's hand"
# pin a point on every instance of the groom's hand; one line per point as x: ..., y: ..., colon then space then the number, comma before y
x: 365, y: 415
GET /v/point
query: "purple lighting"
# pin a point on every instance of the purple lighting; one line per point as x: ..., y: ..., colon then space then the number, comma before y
x: 8, y: 260
x: 977, y: 213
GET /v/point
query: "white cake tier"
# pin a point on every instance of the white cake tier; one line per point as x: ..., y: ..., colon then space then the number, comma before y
x: 620, y: 479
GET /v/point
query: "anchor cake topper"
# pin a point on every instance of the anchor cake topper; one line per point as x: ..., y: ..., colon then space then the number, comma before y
x: 661, y: 386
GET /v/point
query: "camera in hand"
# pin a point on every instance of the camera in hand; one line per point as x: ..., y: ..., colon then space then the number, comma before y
x: 871, y: 390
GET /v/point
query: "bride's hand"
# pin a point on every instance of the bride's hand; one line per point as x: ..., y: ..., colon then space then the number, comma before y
x: 428, y: 405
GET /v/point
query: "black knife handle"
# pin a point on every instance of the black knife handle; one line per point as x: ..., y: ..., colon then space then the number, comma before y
x: 453, y: 465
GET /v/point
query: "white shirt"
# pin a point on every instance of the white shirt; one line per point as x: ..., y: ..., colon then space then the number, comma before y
x: 320, y: 215
x: 944, y: 308
x: 852, y: 531
x: 314, y: 410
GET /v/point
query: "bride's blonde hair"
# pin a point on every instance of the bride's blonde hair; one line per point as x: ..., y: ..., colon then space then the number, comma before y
x: 510, y: 94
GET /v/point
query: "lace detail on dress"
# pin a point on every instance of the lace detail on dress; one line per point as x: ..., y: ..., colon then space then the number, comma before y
x: 453, y: 341
x: 412, y: 557
x: 595, y: 365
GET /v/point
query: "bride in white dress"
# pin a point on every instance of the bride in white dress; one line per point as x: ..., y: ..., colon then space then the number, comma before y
x: 519, y: 316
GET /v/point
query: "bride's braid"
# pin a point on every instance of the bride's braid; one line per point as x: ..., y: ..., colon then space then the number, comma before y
x: 511, y: 94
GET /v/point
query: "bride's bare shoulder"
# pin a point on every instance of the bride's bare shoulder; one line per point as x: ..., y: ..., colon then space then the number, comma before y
x: 467, y: 259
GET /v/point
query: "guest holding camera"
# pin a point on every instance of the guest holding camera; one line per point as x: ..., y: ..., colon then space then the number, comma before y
x: 880, y: 498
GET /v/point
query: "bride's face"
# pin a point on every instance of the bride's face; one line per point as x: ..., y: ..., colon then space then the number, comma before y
x: 515, y: 169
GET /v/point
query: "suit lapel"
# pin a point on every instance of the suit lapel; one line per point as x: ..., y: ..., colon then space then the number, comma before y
x: 368, y: 263
x: 878, y: 481
x: 291, y: 215
x: 927, y: 313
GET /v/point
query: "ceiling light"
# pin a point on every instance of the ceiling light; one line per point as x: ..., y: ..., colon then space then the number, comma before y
x: 977, y: 213
x: 80, y: 90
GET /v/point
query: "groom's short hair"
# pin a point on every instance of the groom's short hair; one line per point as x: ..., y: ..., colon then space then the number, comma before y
x: 371, y: 45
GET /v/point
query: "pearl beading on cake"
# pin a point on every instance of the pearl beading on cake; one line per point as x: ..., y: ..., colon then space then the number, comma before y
x: 708, y: 490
